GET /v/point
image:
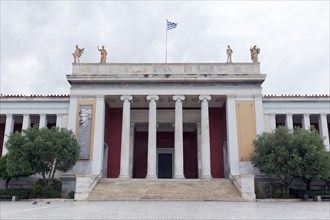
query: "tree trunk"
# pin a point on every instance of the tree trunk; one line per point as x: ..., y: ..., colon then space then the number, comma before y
x: 7, y: 182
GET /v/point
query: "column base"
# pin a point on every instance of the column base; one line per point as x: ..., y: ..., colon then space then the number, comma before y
x: 151, y: 177
x: 206, y: 177
x: 123, y: 177
x: 179, y: 177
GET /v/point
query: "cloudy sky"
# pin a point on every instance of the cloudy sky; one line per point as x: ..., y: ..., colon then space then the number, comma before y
x: 37, y: 39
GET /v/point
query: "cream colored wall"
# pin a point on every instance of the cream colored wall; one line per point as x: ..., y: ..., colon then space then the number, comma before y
x: 246, y: 128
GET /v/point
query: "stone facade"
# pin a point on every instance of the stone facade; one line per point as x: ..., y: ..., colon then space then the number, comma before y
x: 180, y: 121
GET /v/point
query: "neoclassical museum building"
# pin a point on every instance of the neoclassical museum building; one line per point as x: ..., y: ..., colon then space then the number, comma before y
x: 164, y: 130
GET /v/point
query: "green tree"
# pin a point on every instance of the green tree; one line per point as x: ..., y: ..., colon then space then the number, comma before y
x: 311, y: 150
x: 275, y: 156
x: 325, y: 174
x: 42, y: 151
x: 3, y: 170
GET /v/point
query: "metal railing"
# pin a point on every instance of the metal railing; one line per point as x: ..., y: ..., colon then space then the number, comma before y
x: 97, y: 178
x: 233, y: 177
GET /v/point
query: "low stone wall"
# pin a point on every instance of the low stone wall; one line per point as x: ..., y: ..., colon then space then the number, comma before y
x: 68, y: 183
x: 245, y: 184
x: 84, y: 185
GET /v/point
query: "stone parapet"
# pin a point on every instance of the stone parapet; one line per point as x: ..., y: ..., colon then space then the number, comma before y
x: 171, y: 69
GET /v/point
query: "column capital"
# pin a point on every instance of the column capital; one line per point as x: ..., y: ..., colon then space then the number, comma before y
x: 323, y: 114
x: 43, y: 114
x: 26, y: 115
x: 126, y: 97
x: 203, y: 97
x: 9, y: 115
x: 289, y: 114
x: 272, y: 114
x: 179, y: 97
x: 60, y: 114
x: 152, y: 97
x: 306, y: 114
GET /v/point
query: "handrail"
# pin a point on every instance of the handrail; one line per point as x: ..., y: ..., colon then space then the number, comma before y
x: 235, y: 180
x: 98, y: 177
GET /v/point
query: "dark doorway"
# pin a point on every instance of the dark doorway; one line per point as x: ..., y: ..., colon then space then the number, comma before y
x: 165, y: 166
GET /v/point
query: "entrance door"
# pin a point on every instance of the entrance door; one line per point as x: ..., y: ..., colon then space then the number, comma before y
x: 164, y: 165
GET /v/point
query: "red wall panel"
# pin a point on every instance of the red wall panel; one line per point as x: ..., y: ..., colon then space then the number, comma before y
x: 190, y: 155
x: 140, y: 154
x: 112, y: 137
x: 218, y: 135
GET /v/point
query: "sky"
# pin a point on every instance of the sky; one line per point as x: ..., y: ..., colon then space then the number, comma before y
x: 38, y: 39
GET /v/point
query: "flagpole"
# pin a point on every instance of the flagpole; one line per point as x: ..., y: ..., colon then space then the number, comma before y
x: 166, y: 45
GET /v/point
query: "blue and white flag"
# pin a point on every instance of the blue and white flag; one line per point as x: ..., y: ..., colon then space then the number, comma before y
x: 171, y: 25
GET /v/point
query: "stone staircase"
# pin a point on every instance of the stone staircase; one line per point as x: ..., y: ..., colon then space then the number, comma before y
x: 165, y: 189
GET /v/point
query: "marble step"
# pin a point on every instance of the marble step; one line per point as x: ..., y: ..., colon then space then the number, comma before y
x: 165, y: 189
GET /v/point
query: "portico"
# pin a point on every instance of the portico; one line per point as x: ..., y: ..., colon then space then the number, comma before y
x: 175, y: 111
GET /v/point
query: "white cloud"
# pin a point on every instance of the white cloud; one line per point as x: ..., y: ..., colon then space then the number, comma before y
x: 37, y: 39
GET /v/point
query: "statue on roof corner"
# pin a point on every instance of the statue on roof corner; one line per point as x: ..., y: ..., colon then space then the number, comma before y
x: 254, y: 53
x: 103, y: 54
x: 229, y: 52
x: 77, y: 54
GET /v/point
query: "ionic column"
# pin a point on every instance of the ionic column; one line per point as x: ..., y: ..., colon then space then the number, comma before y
x: 98, y: 141
x: 42, y: 121
x: 306, y: 123
x: 59, y: 118
x: 9, y: 128
x: 289, y: 121
x: 178, y: 138
x: 323, y: 124
x: 131, y: 148
x: 205, y: 137
x: 124, y: 156
x: 272, y: 117
x: 26, y: 121
x: 152, y: 137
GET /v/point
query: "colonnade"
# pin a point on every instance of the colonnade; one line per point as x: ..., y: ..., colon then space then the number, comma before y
x: 306, y: 124
x: 178, y: 137
x: 26, y: 123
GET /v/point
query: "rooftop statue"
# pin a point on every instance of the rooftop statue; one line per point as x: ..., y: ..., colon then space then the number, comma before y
x: 77, y: 54
x: 229, y: 52
x: 103, y: 54
x: 254, y: 53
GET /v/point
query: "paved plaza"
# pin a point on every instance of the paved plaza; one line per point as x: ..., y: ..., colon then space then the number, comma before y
x: 164, y: 210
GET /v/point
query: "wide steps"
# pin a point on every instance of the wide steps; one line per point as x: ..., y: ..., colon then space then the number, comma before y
x: 165, y: 189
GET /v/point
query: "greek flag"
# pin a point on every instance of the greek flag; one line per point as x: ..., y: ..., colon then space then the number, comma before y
x: 171, y: 25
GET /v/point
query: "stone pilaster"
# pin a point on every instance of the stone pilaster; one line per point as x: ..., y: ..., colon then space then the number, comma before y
x: 98, y: 142
x: 232, y: 142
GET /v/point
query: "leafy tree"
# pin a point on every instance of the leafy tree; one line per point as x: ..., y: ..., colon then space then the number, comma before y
x: 42, y: 151
x: 310, y: 149
x: 325, y: 174
x: 275, y: 156
x: 3, y: 170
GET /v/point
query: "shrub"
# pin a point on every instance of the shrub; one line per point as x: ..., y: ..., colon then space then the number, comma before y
x: 71, y: 194
x: 19, y: 193
x: 40, y: 190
